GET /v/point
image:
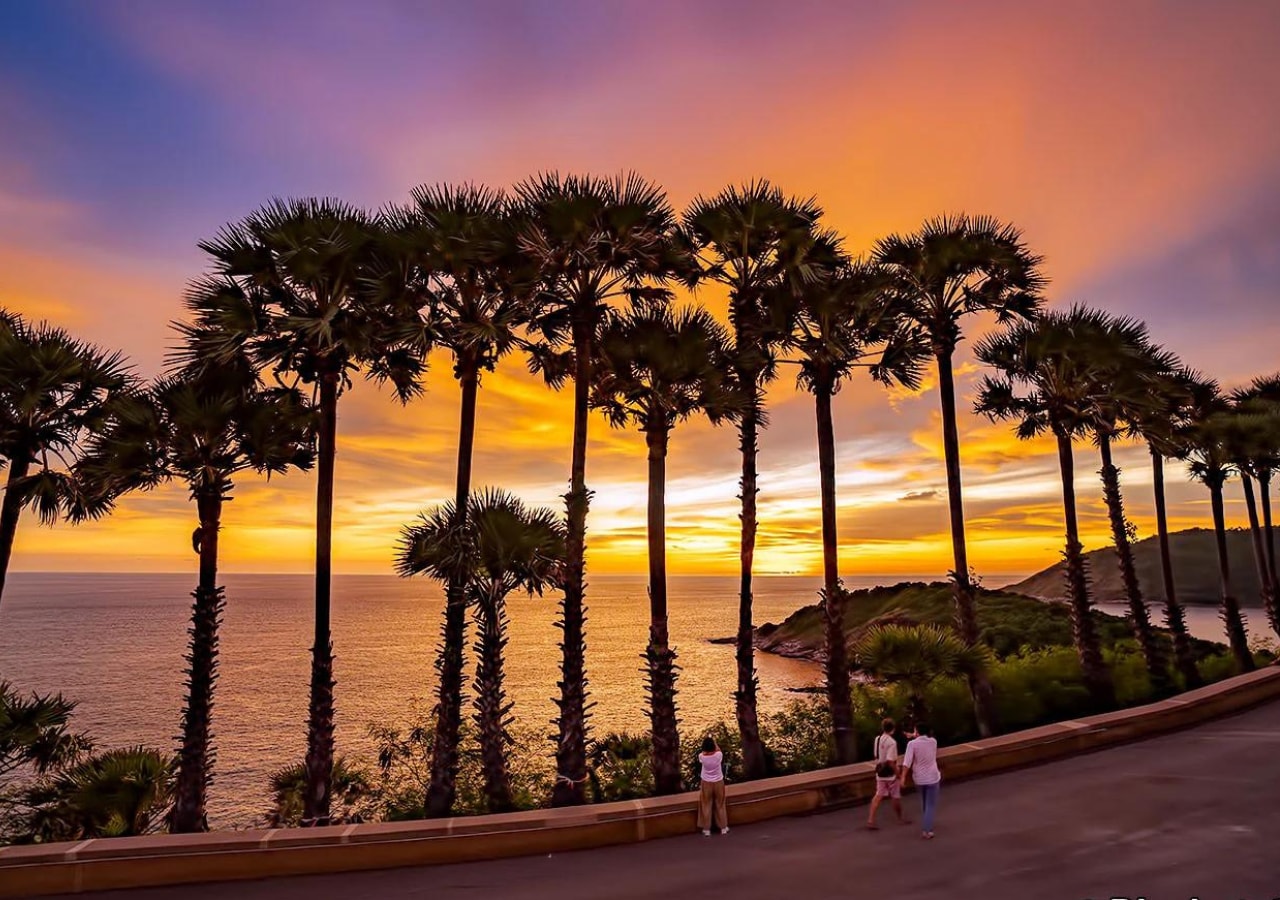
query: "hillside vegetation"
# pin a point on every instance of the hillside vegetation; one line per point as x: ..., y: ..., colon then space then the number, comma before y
x: 1195, y: 570
x: 1007, y: 621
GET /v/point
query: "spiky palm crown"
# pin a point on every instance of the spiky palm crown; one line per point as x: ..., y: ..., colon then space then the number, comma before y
x: 763, y: 246
x: 917, y: 653
x: 1255, y: 441
x: 596, y: 243
x: 503, y: 545
x: 956, y: 265
x: 850, y: 312
x: 56, y: 392
x: 458, y: 245
x: 1058, y: 373
x: 1175, y: 396
x: 656, y: 367
x: 203, y: 429
x: 290, y: 290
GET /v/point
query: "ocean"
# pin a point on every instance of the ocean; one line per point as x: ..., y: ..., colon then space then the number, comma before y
x: 115, y: 643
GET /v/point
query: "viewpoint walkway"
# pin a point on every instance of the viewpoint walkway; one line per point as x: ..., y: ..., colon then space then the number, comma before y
x: 1191, y: 814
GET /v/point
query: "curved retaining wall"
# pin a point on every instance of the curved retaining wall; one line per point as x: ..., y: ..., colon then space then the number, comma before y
x: 105, y: 864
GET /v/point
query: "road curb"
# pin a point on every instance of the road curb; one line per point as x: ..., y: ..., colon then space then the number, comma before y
x: 116, y: 863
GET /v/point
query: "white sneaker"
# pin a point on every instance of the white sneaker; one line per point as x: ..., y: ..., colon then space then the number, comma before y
x: 706, y: 832
x: 724, y: 830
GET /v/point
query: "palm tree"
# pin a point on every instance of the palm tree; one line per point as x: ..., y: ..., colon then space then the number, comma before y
x: 35, y: 735
x: 1125, y: 368
x: 461, y: 243
x: 841, y: 320
x: 55, y: 393
x: 118, y: 793
x: 1251, y: 436
x: 1161, y: 424
x: 754, y: 240
x: 595, y: 242
x: 203, y: 430
x: 1049, y: 361
x: 1210, y: 463
x: 1265, y: 392
x: 953, y: 267
x: 1256, y: 453
x: 915, y: 656
x: 657, y: 368
x: 290, y: 292
x: 502, y: 546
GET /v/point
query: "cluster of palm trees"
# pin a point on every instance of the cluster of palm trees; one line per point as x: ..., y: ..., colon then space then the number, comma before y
x: 1083, y: 373
x: 578, y: 274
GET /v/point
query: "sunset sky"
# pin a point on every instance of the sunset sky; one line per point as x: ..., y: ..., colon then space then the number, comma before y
x: 1137, y: 145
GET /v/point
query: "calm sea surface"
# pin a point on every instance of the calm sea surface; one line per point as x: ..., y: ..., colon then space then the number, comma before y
x: 115, y: 644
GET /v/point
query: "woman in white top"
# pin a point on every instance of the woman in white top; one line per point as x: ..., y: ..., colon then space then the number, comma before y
x: 921, y: 760
x: 887, y: 784
x: 712, y: 793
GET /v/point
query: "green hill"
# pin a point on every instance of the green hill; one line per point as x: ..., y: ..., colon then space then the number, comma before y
x: 1195, y: 570
x: 1007, y: 621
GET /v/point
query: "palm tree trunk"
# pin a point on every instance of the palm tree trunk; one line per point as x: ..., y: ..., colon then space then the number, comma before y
x: 493, y: 712
x: 659, y: 657
x: 196, y: 754
x: 962, y: 588
x: 1152, y: 652
x: 320, y: 722
x: 838, y: 689
x: 753, y: 757
x: 1094, y: 669
x: 1174, y: 616
x: 1264, y: 489
x: 449, y: 662
x: 571, y: 746
x: 10, y: 512
x: 1260, y: 554
x: 1230, y: 610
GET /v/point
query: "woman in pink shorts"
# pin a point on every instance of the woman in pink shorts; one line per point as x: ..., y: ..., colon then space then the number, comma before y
x: 887, y: 783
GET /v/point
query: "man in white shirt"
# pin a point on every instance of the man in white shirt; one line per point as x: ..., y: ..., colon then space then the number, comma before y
x: 921, y: 760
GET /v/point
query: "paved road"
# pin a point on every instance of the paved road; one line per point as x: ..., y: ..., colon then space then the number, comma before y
x: 1196, y: 814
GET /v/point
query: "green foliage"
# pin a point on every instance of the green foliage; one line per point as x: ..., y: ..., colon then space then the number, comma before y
x: 1007, y: 622
x: 619, y: 767
x: 398, y: 784
x: 113, y: 794
x: 352, y: 795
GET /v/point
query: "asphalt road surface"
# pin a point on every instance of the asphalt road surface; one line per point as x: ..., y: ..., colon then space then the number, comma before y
x: 1189, y: 815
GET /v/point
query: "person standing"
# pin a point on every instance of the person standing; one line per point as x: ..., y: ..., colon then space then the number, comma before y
x: 921, y: 761
x: 887, y: 784
x: 711, y: 796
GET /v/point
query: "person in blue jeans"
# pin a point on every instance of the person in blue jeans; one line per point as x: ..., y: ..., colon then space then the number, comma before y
x: 921, y: 761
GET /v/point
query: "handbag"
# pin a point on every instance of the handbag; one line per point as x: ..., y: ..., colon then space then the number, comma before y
x: 884, y: 768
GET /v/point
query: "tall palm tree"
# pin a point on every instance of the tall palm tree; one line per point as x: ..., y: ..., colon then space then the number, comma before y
x: 1210, y: 463
x: 841, y: 320
x: 595, y: 243
x: 458, y: 243
x: 657, y: 368
x: 289, y: 291
x: 502, y: 546
x: 1126, y: 368
x: 204, y: 431
x: 1256, y: 453
x: 1265, y: 392
x: 954, y: 267
x: 753, y: 239
x: 1252, y: 438
x: 1044, y: 386
x: 1161, y: 425
x: 55, y: 393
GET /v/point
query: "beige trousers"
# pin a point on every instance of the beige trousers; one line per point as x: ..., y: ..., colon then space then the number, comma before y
x: 712, y: 793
